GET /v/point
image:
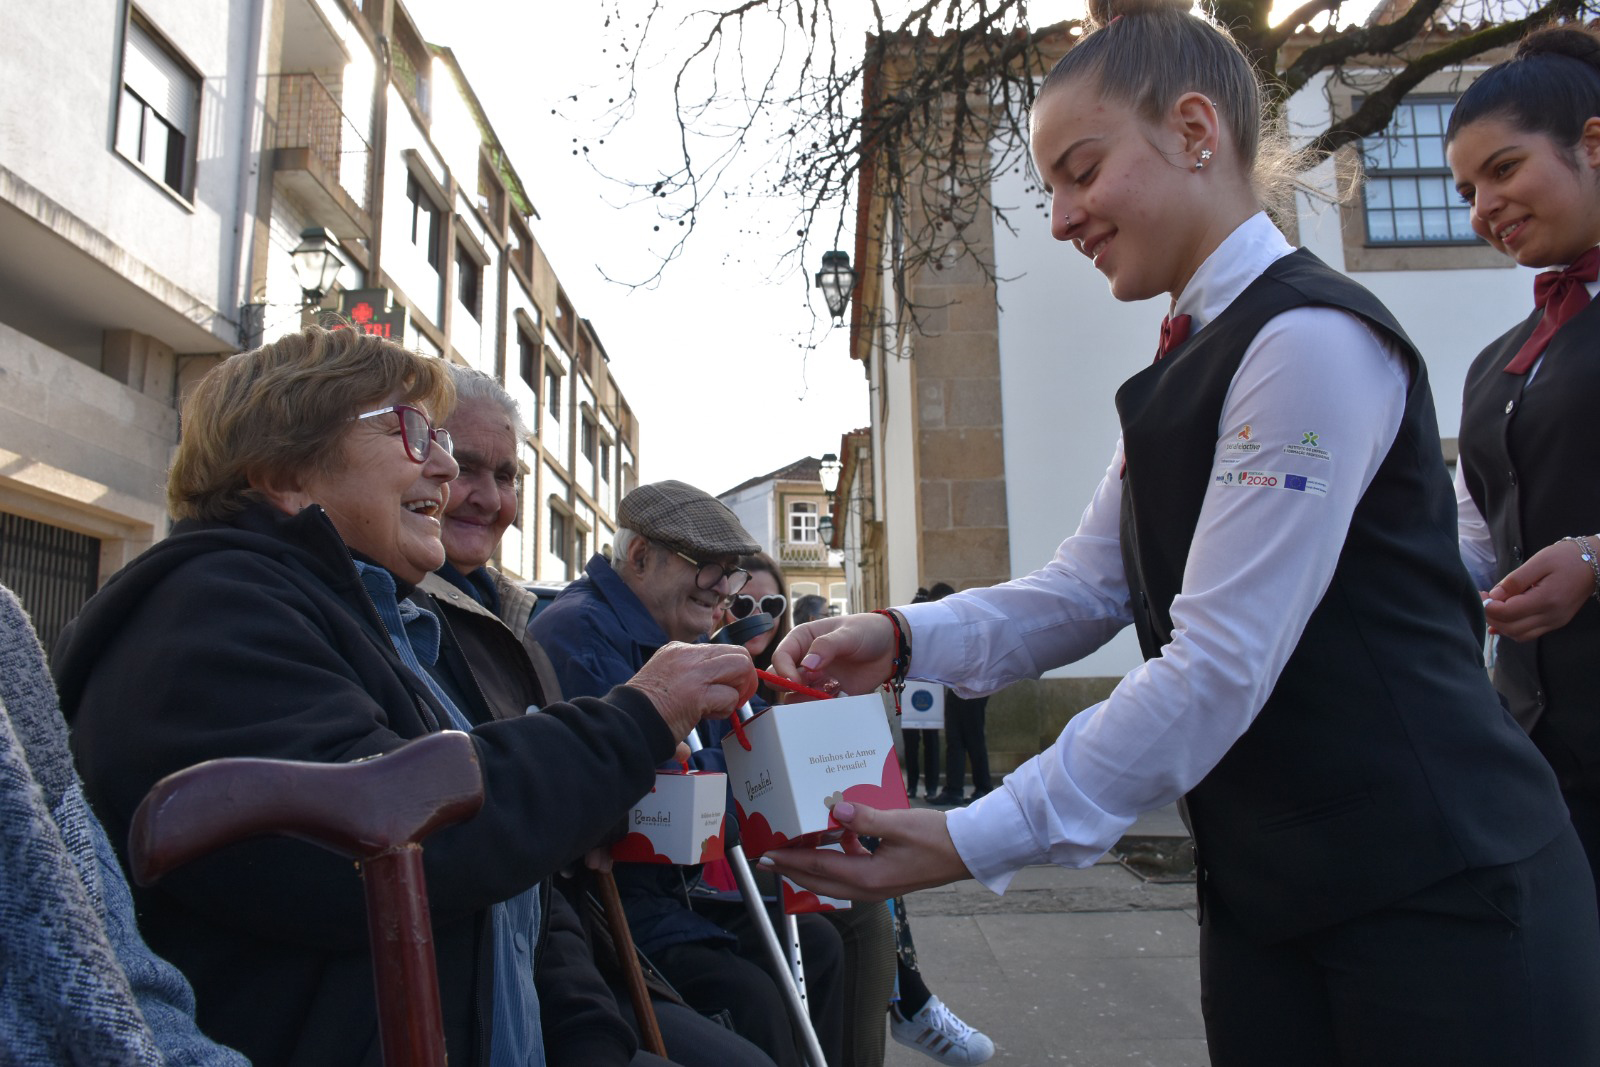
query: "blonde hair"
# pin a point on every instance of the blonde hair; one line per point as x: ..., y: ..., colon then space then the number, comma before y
x: 285, y: 407
x: 1147, y: 53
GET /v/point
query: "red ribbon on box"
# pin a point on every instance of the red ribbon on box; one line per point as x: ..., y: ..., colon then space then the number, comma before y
x: 782, y: 683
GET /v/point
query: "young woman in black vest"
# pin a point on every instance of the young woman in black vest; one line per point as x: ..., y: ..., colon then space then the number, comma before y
x: 1387, y: 873
x: 1524, y: 147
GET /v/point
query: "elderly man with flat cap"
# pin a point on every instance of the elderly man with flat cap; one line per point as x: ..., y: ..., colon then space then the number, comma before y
x: 674, y: 560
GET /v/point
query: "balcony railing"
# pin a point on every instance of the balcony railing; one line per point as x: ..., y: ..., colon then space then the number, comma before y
x: 310, y: 117
x: 803, y: 554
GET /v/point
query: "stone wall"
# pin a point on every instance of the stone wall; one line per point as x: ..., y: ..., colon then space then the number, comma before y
x: 1026, y: 717
x: 961, y: 469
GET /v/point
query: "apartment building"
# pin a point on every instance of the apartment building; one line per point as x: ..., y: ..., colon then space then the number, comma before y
x: 161, y: 163
x: 376, y: 136
x: 788, y: 512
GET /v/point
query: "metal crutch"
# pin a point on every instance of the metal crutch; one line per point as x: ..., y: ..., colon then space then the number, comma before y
x: 787, y: 963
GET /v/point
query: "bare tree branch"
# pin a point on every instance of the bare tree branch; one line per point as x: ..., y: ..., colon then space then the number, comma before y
x: 921, y: 104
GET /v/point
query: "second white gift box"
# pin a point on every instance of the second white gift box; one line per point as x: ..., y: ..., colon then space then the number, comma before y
x: 678, y: 821
x: 802, y: 760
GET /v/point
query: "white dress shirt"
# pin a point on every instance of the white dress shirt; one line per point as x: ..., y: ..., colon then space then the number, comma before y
x: 1318, y: 395
x: 1477, y: 546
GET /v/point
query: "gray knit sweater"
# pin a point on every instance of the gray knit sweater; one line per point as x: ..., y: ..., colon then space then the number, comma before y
x: 77, y: 983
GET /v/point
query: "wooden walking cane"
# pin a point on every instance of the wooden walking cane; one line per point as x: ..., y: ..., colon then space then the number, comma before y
x: 628, y: 959
x: 375, y: 811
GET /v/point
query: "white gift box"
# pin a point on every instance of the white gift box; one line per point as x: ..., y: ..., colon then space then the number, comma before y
x: 798, y: 900
x: 802, y: 760
x: 922, y: 706
x: 678, y: 821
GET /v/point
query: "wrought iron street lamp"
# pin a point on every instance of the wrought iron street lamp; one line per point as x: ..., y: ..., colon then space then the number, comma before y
x: 837, y: 281
x: 830, y: 468
x: 317, y: 263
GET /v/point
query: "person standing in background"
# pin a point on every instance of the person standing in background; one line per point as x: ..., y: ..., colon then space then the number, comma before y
x: 965, y: 736
x: 922, y: 746
x: 1524, y: 149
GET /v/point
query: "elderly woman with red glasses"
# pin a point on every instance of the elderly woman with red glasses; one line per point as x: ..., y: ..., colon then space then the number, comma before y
x: 274, y: 622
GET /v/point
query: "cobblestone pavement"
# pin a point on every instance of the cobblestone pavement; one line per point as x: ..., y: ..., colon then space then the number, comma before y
x: 1091, y: 968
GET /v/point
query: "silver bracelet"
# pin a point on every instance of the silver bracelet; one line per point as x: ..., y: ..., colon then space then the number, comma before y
x: 1586, y: 554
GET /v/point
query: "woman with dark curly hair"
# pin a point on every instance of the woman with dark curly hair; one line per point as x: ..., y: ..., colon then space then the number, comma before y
x: 1524, y: 148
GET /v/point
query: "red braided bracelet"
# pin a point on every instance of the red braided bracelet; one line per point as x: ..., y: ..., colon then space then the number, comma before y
x: 902, y: 658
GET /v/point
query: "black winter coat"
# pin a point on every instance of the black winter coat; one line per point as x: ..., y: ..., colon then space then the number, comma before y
x: 256, y: 638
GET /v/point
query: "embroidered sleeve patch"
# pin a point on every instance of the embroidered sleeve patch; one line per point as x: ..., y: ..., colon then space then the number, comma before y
x: 1246, y: 479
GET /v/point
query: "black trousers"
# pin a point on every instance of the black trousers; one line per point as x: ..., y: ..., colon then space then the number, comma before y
x: 964, y: 738
x: 923, y: 744
x: 1580, y: 788
x: 692, y: 1040
x: 1494, y: 967
x: 719, y: 976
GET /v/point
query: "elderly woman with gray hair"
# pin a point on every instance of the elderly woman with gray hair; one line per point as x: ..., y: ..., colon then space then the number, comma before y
x: 273, y: 622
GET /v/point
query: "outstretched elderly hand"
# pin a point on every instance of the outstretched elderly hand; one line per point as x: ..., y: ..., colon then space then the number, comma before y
x: 688, y: 683
x: 914, y: 852
x: 855, y: 652
x: 1541, y: 595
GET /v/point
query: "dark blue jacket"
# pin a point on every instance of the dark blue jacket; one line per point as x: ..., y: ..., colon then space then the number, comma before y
x: 598, y: 634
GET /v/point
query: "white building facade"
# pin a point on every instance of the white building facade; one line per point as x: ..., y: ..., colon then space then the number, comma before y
x: 785, y: 511
x: 159, y: 163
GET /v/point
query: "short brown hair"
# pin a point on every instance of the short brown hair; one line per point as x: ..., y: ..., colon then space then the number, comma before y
x: 285, y: 407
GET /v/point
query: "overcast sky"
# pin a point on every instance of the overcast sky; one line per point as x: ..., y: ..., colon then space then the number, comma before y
x: 727, y: 360
x: 716, y: 358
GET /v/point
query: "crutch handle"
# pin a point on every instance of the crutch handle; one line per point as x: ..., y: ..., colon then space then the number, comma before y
x: 359, y: 810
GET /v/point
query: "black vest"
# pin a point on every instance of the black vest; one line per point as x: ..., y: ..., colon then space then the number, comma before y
x: 1382, y: 760
x: 1534, y: 477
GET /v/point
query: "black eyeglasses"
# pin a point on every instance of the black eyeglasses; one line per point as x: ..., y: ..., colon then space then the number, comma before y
x: 707, y: 575
x: 744, y: 605
x: 416, y: 432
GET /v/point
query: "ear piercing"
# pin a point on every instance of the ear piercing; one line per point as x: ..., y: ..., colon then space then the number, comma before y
x: 1205, y: 154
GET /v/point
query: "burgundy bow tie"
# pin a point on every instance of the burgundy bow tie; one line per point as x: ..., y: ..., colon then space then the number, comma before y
x: 1562, y: 294
x: 1174, y: 331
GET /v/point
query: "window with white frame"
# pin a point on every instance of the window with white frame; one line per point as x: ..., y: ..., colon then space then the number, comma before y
x: 469, y: 282
x: 427, y: 221
x: 589, y: 439
x: 802, y: 523
x: 558, y: 539
x: 552, y: 391
x: 158, y: 113
x: 1410, y: 198
x: 605, y: 461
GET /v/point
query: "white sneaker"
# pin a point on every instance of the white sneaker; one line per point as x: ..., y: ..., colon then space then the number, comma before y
x: 937, y: 1032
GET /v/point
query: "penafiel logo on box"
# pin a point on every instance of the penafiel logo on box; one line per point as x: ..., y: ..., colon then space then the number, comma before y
x: 677, y: 821
x: 762, y: 784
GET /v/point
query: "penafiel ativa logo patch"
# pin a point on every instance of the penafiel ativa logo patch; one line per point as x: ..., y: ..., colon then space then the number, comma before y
x: 1240, y: 449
